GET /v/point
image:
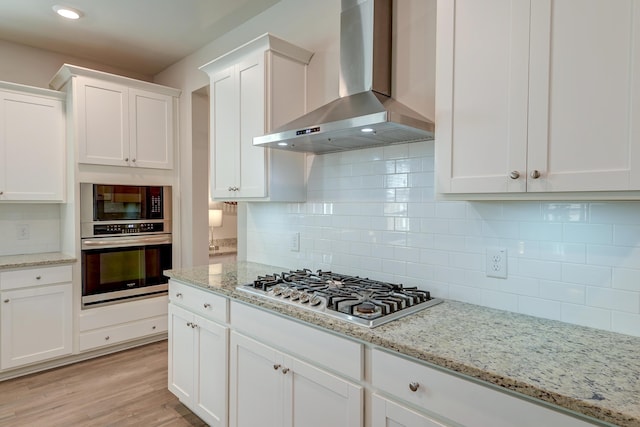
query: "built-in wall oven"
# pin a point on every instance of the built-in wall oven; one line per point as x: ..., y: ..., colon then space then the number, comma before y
x: 126, y: 242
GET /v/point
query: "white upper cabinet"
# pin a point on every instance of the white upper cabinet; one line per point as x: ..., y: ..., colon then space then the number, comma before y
x: 538, y: 97
x: 32, y: 144
x: 120, y: 121
x: 256, y: 88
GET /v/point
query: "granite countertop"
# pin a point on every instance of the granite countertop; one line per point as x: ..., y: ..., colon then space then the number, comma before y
x: 35, y: 260
x: 589, y: 371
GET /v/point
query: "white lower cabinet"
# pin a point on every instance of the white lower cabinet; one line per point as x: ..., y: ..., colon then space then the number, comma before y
x: 118, y: 323
x: 386, y: 413
x: 36, y: 315
x: 271, y: 388
x: 197, y: 364
x: 449, y: 397
x: 198, y: 349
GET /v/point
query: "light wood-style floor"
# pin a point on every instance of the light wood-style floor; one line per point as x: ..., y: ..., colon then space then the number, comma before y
x: 128, y: 388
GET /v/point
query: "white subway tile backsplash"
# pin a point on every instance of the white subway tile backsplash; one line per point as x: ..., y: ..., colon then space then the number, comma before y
x: 625, y: 323
x: 539, y: 307
x: 626, y: 235
x: 374, y: 212
x: 615, y: 213
x: 586, y: 316
x: 626, y: 279
x: 586, y: 274
x: 563, y: 292
x: 588, y: 233
x: 538, y: 269
x: 613, y: 299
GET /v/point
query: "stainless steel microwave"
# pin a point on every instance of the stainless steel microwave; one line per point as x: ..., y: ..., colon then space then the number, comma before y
x: 114, y: 210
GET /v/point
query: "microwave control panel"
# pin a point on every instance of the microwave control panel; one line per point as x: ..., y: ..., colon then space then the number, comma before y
x: 132, y: 228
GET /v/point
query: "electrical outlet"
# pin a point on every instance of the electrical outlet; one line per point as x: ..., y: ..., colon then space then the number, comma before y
x: 295, y: 242
x: 22, y: 231
x: 497, y: 262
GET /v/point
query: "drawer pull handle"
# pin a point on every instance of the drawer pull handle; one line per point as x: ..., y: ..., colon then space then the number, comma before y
x: 207, y: 305
x: 276, y: 367
x: 178, y: 295
x: 7, y: 300
x: 285, y: 370
x: 38, y: 277
x: 106, y: 338
x: 414, y: 386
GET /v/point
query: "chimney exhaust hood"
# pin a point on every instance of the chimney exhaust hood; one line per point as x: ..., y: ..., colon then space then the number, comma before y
x: 365, y: 115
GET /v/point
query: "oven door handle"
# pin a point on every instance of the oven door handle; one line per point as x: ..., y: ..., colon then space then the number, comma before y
x: 119, y: 242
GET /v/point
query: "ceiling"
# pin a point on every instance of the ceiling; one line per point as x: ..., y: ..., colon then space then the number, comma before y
x: 145, y: 36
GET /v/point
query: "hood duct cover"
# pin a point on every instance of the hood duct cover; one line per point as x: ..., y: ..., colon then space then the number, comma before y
x: 365, y: 115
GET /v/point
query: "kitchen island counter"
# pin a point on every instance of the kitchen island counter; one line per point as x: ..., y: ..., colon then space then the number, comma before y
x: 8, y: 262
x: 585, y: 370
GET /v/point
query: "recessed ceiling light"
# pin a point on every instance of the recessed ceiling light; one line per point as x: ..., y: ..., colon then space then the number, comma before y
x: 282, y: 144
x: 366, y: 130
x: 67, y: 12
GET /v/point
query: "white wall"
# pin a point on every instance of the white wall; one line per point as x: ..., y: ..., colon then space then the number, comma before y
x: 35, y: 67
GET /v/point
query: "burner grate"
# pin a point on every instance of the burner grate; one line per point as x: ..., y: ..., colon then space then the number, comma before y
x: 360, y: 300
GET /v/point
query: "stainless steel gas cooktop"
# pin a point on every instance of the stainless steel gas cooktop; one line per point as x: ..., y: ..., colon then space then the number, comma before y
x: 355, y: 299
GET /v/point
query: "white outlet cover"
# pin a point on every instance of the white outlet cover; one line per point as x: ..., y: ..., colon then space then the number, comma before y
x: 496, y: 262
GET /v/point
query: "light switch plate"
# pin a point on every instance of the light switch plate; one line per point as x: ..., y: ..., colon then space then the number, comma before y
x: 295, y: 242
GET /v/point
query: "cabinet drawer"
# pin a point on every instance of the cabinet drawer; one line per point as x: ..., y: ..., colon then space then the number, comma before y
x: 112, y: 315
x: 199, y: 301
x: 35, y: 276
x: 322, y: 348
x: 123, y: 332
x: 463, y: 401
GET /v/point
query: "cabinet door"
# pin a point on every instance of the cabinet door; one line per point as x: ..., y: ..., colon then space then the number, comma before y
x: 251, y: 95
x: 181, y: 354
x: 315, y: 398
x: 481, y: 97
x: 584, y: 119
x: 211, y: 370
x: 102, y: 122
x: 36, y: 324
x: 150, y: 129
x: 32, y: 148
x: 224, y: 125
x: 256, y: 384
x: 385, y: 413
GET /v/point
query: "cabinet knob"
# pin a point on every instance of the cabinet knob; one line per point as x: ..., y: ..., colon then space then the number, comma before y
x: 153, y: 328
x: 7, y: 300
x: 38, y: 277
x: 535, y: 174
x: 126, y: 159
x: 1, y: 193
x: 133, y: 160
x: 207, y: 305
x: 178, y: 295
x: 514, y: 175
x: 189, y: 324
x: 414, y: 386
x: 106, y: 338
x: 276, y: 367
x: 285, y: 370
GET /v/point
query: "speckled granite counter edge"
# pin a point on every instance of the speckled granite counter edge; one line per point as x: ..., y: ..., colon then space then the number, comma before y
x: 225, y: 284
x: 8, y: 262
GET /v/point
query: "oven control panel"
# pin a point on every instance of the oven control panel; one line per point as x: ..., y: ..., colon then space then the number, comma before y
x: 132, y: 228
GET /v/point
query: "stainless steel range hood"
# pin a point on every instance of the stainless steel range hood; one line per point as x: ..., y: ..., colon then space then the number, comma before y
x: 365, y: 115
